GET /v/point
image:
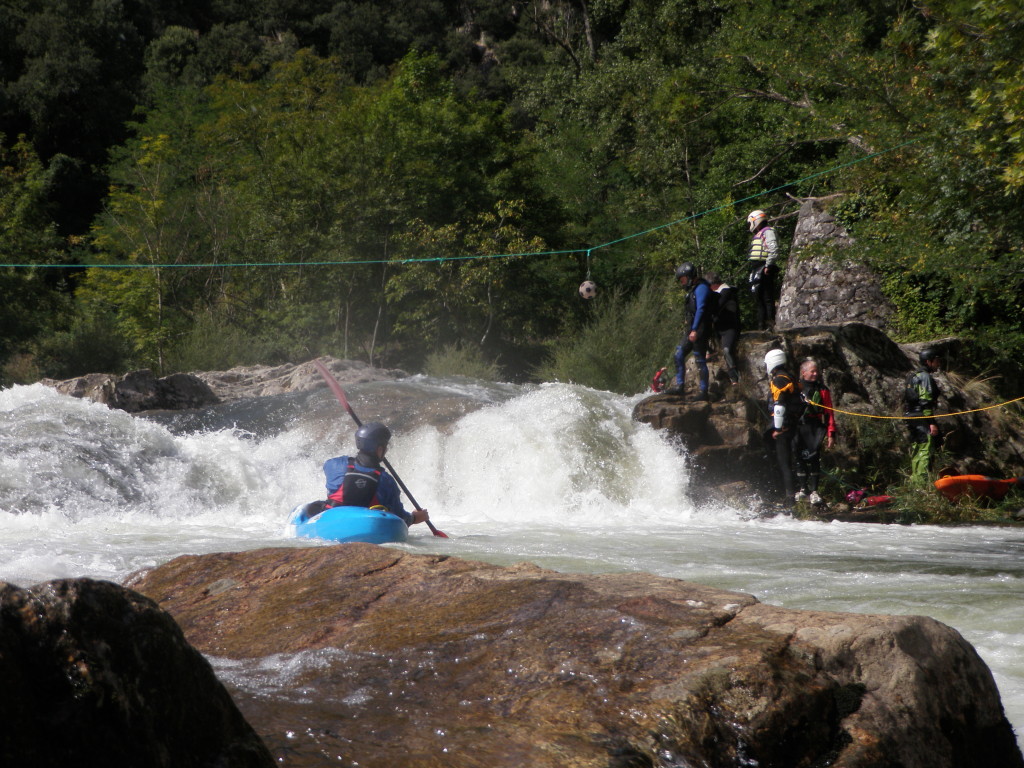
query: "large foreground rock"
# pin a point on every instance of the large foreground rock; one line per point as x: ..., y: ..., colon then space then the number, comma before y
x: 443, y: 661
x: 92, y: 674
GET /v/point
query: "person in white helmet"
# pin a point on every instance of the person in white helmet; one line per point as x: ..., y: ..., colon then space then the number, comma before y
x: 784, y: 410
x: 764, y: 249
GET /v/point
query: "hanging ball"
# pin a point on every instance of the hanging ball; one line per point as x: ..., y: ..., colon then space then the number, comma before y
x: 588, y: 289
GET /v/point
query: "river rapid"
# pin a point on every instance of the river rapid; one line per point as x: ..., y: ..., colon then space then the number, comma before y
x: 555, y: 474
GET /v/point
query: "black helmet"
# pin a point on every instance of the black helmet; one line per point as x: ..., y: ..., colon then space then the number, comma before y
x: 927, y: 354
x: 686, y: 269
x: 370, y: 436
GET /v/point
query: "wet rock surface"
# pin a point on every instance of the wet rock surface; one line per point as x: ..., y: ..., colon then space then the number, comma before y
x: 139, y: 391
x: 94, y: 674
x: 262, y: 380
x: 391, y: 658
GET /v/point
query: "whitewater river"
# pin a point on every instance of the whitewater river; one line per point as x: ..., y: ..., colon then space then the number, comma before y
x: 555, y: 474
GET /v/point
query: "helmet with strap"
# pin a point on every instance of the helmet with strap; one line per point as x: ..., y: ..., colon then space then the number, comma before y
x: 755, y: 219
x: 371, y: 436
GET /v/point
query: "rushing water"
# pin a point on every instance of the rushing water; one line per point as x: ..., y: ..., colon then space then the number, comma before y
x: 558, y: 475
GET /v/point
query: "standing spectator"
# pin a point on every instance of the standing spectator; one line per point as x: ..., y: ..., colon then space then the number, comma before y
x: 817, y: 424
x: 764, y: 249
x: 920, y: 397
x: 784, y: 409
x: 726, y: 323
x: 696, y: 329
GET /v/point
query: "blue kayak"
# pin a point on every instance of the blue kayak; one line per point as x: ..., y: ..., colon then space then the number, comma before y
x: 375, y: 526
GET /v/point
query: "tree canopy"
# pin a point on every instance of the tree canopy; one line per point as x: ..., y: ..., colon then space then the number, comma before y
x: 218, y: 182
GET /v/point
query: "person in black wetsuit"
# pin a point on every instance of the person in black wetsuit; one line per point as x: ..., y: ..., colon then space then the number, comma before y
x: 726, y: 323
x: 817, y: 425
x: 784, y: 410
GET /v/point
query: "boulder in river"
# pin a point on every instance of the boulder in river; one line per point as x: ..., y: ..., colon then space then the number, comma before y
x: 427, y: 660
x: 94, y: 674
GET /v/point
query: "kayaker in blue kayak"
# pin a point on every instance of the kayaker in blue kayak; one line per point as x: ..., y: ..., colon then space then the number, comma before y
x: 361, y: 481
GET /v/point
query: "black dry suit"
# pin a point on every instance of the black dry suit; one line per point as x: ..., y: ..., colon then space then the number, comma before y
x: 784, y: 392
x: 727, y: 326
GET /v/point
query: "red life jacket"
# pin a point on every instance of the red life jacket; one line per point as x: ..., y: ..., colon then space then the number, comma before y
x: 660, y: 380
x: 358, y: 488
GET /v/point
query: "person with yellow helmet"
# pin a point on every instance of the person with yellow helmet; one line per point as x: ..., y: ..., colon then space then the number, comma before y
x: 764, y: 249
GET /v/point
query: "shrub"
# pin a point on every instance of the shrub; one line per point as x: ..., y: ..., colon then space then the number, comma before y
x: 625, y: 341
x: 462, y: 359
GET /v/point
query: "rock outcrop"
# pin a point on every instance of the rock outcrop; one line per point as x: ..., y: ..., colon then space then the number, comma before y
x: 823, y: 287
x: 443, y: 661
x: 94, y: 674
x: 866, y: 371
x: 140, y: 391
x: 263, y: 380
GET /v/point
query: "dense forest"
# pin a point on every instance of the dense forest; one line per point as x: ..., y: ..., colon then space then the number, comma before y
x: 195, y: 184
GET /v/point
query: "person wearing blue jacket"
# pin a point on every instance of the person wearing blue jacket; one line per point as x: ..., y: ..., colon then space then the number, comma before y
x: 361, y: 481
x: 700, y: 309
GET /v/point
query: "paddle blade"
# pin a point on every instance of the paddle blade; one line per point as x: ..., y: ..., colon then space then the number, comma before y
x: 337, y: 390
x: 436, y: 532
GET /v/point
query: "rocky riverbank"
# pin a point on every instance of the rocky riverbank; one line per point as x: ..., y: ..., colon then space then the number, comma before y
x: 865, y: 371
x: 139, y: 391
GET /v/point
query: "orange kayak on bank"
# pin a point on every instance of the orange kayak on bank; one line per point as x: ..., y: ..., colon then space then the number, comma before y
x: 955, y: 486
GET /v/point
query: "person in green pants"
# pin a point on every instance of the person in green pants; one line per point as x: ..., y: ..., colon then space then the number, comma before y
x: 920, y: 398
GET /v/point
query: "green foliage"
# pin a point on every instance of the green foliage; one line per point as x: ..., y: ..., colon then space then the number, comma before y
x: 93, y: 344
x: 214, y: 343
x: 20, y: 368
x: 31, y: 297
x: 490, y: 300
x: 461, y: 360
x: 145, y: 231
x: 914, y: 503
x: 372, y: 135
x: 626, y: 340
x: 882, y: 446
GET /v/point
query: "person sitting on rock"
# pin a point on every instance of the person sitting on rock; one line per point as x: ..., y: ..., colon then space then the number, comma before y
x: 817, y: 424
x: 784, y: 410
x: 362, y: 481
